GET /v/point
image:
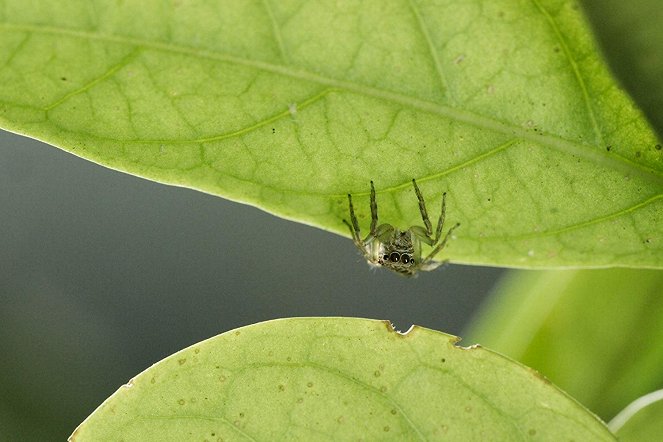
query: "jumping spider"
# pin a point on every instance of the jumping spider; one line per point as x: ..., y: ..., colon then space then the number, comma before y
x: 398, y: 250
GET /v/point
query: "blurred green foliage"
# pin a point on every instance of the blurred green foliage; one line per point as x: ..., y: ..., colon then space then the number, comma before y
x: 631, y: 36
x: 596, y: 334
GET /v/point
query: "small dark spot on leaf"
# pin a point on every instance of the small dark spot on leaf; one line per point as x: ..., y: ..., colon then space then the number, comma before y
x: 300, y: 400
x: 309, y: 385
x: 237, y: 333
x: 532, y: 432
x: 444, y: 359
x: 241, y: 415
x: 181, y: 361
x: 281, y: 387
x: 152, y: 381
x: 386, y: 428
x: 658, y: 147
x: 273, y: 130
x: 181, y: 402
x: 393, y: 411
x: 556, y: 49
x: 608, y: 148
x: 196, y: 351
x: 383, y: 389
x: 377, y: 373
x: 638, y: 154
x: 288, y: 359
x: 63, y: 78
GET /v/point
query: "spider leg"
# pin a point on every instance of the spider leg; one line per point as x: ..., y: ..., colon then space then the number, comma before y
x: 422, y: 209
x: 354, y: 227
x: 374, y: 211
x: 440, y: 222
x: 428, y: 263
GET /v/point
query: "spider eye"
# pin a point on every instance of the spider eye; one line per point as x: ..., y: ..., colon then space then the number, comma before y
x: 394, y: 257
x: 405, y: 258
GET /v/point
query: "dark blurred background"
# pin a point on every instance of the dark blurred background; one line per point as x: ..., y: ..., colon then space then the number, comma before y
x: 103, y: 274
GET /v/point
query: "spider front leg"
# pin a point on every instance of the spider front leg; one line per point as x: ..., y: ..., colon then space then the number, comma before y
x: 428, y: 236
x: 424, y: 213
x: 354, y: 227
x: 425, y: 235
x: 428, y: 263
x: 374, y: 212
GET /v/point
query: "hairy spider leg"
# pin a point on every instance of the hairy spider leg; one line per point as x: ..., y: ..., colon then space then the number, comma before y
x: 440, y: 222
x: 354, y: 228
x: 422, y: 209
x: 428, y: 263
x: 374, y: 212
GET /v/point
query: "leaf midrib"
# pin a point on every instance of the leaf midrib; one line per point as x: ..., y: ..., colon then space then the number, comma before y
x: 586, y: 151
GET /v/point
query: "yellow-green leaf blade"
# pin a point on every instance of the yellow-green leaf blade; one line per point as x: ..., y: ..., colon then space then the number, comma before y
x: 338, y: 378
x: 595, y: 333
x: 289, y: 106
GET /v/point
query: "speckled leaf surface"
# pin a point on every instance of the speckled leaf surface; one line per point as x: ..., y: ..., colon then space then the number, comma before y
x: 338, y: 379
x: 290, y: 105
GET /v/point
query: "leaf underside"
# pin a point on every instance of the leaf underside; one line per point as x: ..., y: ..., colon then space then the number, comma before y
x: 290, y: 105
x: 340, y: 379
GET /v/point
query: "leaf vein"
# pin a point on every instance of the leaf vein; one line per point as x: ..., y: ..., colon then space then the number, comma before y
x: 444, y: 83
x: 576, y: 72
x: 593, y: 153
x: 276, y: 31
x: 587, y: 223
x: 90, y: 84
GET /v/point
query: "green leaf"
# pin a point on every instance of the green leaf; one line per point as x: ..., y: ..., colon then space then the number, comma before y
x: 642, y: 420
x: 341, y: 379
x: 595, y: 333
x: 290, y: 105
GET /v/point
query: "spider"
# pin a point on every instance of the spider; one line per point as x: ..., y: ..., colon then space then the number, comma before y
x: 400, y: 250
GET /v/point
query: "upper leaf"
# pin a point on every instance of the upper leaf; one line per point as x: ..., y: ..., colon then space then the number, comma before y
x: 290, y: 105
x: 338, y: 379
